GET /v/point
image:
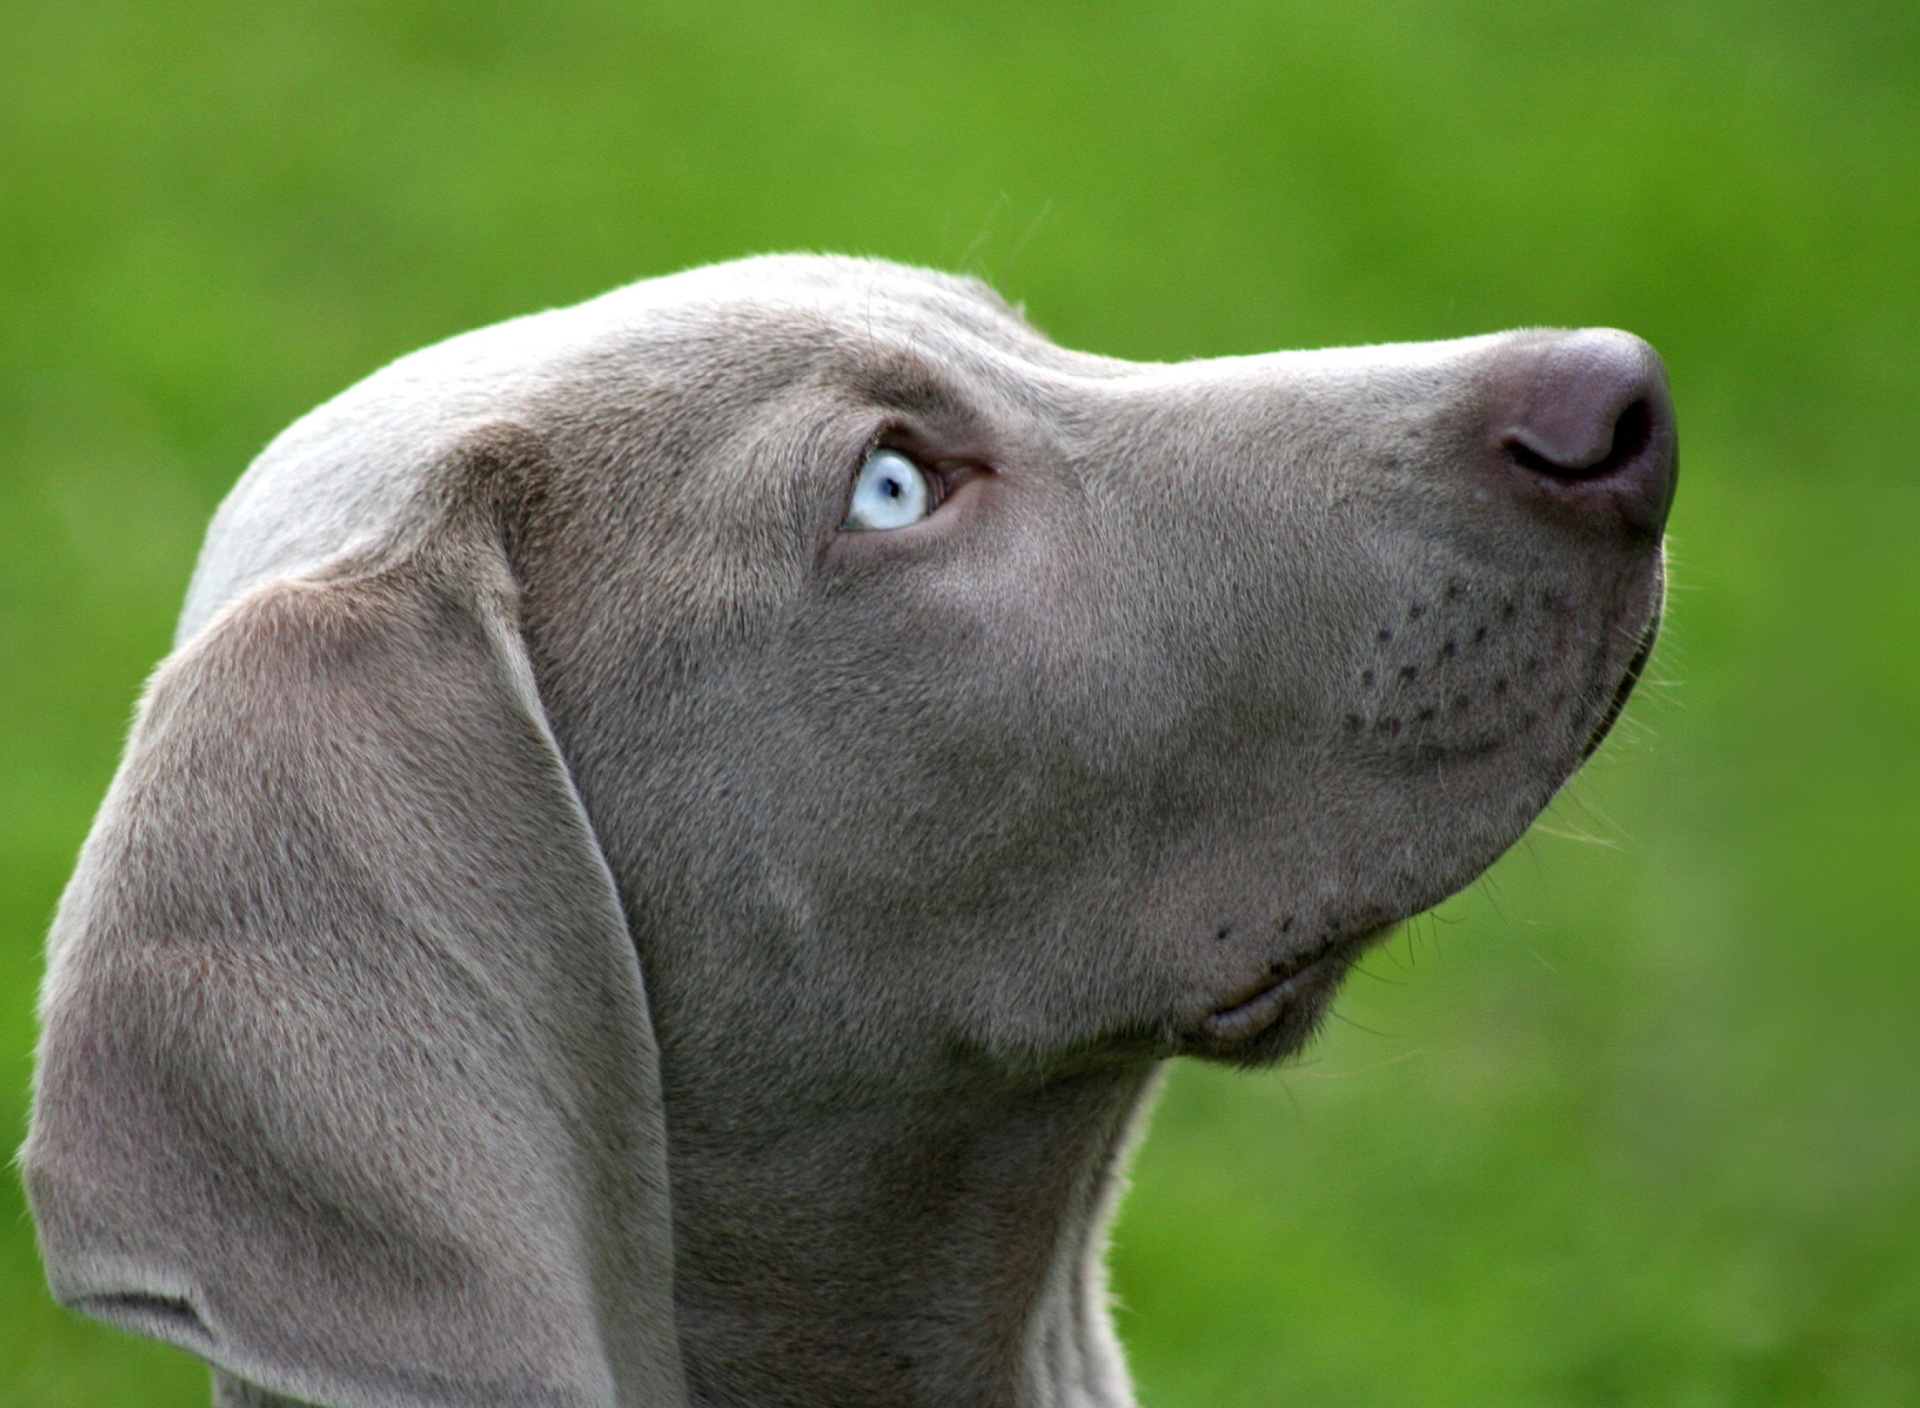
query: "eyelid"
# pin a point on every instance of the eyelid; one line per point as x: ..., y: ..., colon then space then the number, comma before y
x: 945, y: 472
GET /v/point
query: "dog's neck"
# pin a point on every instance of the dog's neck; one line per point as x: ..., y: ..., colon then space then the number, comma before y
x: 945, y: 1252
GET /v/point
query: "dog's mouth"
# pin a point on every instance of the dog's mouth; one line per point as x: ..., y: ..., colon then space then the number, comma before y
x: 1281, y: 1014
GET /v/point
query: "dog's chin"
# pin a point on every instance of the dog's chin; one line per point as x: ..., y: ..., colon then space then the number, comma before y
x: 1282, y: 1017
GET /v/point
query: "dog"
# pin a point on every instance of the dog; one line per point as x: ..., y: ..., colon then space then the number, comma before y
x: 679, y: 831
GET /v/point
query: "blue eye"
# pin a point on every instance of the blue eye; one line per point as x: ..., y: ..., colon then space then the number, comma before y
x: 891, y: 491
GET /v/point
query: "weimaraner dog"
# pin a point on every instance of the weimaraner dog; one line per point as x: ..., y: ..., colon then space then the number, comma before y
x: 679, y: 831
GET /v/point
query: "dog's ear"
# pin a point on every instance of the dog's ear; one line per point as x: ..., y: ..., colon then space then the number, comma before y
x: 347, y: 1082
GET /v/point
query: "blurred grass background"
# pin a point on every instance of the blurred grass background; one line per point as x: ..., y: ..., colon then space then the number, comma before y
x: 1637, y: 1120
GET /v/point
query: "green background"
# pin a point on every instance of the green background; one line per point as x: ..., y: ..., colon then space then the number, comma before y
x: 1634, y: 1121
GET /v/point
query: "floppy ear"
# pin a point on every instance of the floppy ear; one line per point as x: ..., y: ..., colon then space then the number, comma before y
x: 347, y: 1081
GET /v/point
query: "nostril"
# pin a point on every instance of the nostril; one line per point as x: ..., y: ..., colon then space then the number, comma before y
x: 1631, y: 432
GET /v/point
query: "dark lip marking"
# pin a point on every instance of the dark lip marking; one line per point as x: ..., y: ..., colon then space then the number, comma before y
x: 1642, y: 653
x: 1429, y: 753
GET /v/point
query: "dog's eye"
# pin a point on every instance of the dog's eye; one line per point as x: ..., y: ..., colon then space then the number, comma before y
x: 890, y: 492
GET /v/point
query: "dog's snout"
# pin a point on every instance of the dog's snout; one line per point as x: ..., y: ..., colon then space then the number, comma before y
x: 1586, y: 417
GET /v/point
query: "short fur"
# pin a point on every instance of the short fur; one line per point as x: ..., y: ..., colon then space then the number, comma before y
x: 576, y: 928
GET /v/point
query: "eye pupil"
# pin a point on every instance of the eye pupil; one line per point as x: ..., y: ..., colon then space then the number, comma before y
x: 893, y: 488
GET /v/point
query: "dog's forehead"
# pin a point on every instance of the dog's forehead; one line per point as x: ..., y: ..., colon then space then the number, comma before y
x: 869, y: 325
x: 847, y: 292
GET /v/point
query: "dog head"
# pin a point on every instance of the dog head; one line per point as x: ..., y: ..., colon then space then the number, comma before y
x: 910, y: 694
x: 1169, y: 688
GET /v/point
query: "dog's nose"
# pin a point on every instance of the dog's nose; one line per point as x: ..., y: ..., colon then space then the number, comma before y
x: 1584, y: 420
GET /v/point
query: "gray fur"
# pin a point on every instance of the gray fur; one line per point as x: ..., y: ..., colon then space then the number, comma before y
x: 540, y: 650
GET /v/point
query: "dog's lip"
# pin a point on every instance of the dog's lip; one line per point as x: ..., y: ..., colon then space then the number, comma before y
x: 1250, y: 1016
x: 1643, y: 652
